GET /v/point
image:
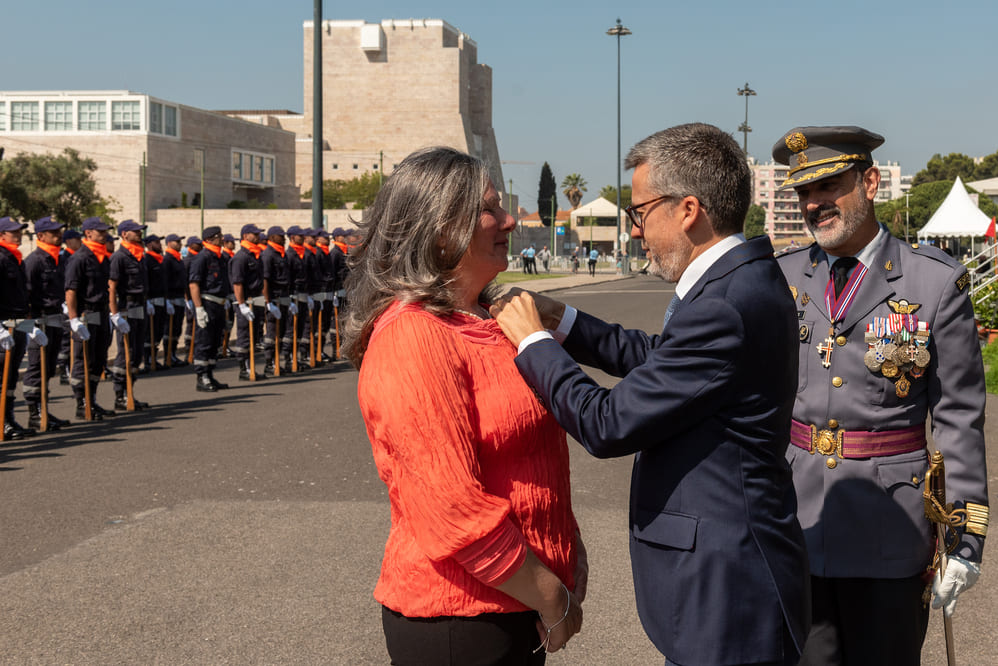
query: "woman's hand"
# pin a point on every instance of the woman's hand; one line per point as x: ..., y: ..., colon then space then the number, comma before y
x: 563, y: 622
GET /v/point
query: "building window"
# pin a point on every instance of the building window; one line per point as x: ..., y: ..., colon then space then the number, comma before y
x: 3, y: 116
x: 237, y: 166
x: 156, y: 117
x: 268, y: 170
x: 335, y: 166
x: 355, y: 166
x: 92, y: 116
x: 24, y: 116
x: 170, y: 120
x: 125, y: 116
x: 253, y: 168
x: 375, y: 167
x: 58, y: 116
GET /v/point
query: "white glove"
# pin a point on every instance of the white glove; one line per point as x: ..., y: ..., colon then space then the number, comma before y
x: 320, y: 305
x: 150, y: 308
x: 189, y: 305
x: 78, y: 327
x: 38, y: 336
x: 6, y: 339
x: 201, y: 315
x: 274, y: 311
x: 293, y: 309
x: 246, y: 311
x: 311, y: 303
x: 960, y: 576
x: 65, y: 309
x: 169, y: 308
x: 120, y: 323
x: 336, y: 300
x: 227, y: 305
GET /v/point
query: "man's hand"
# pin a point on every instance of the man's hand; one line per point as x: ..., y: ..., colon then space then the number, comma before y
x: 120, y: 323
x: 550, y: 310
x: 274, y: 311
x: 959, y: 577
x: 78, y: 327
x: 201, y: 316
x: 246, y: 311
x: 169, y: 308
x: 6, y: 339
x: 517, y: 316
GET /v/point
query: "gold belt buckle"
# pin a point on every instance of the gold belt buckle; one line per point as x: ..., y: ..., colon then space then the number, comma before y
x: 826, y: 442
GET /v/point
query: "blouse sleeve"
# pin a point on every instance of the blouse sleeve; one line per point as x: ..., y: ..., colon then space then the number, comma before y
x: 415, y: 393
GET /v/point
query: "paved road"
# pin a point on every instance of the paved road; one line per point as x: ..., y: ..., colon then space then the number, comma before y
x: 247, y: 527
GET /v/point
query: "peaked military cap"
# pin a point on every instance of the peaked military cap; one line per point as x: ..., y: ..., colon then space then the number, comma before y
x: 814, y: 153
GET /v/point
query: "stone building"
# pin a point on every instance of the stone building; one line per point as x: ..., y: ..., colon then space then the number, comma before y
x: 144, y: 144
x: 390, y: 88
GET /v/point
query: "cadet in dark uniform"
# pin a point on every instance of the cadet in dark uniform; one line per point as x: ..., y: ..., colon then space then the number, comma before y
x: 228, y: 251
x: 14, y: 322
x: 208, y: 282
x: 887, y: 339
x: 315, y: 281
x: 194, y: 246
x: 156, y: 276
x: 46, y: 293
x: 327, y: 273
x: 246, y: 277
x: 128, y: 284
x: 301, y: 299
x: 87, y: 308
x: 72, y: 240
x: 340, y: 251
x: 175, y: 274
x: 277, y: 286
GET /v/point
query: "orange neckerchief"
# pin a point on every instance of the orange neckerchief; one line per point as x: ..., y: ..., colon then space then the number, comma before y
x: 13, y: 249
x: 174, y: 253
x: 99, y: 249
x: 343, y: 246
x: 310, y: 248
x: 70, y: 251
x: 279, y: 248
x: 155, y: 255
x: 52, y: 250
x: 214, y: 248
x: 299, y: 250
x: 252, y: 247
x: 228, y: 251
x: 192, y: 252
x: 324, y: 248
x: 134, y: 249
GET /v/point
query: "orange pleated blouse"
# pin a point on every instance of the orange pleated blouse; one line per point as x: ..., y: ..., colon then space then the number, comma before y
x: 477, y: 470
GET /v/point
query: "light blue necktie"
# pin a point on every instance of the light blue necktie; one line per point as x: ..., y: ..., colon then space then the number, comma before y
x: 673, y: 304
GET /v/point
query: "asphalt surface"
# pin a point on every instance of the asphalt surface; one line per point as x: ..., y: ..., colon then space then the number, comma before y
x: 248, y: 526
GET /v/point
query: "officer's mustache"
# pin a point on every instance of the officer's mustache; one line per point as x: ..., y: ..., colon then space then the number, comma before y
x: 815, y: 215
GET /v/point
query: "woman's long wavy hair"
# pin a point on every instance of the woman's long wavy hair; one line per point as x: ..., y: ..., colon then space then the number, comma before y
x: 414, y: 234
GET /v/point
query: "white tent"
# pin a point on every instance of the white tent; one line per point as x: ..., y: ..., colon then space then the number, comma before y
x: 598, y: 207
x: 957, y: 217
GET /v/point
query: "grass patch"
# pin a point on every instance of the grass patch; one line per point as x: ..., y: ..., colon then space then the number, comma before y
x: 518, y: 276
x: 990, y: 354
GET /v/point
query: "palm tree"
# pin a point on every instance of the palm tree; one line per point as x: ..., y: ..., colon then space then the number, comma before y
x: 572, y: 187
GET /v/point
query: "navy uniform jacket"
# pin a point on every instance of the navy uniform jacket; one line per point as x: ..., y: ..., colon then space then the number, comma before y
x: 865, y: 517
x: 87, y: 276
x: 210, y: 272
x: 275, y: 272
x: 175, y: 272
x: 131, y: 276
x: 156, y: 275
x: 245, y: 269
x: 718, y: 556
x: 13, y: 287
x: 46, y: 286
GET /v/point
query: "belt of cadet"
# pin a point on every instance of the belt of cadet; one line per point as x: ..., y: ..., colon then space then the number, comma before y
x: 857, y: 443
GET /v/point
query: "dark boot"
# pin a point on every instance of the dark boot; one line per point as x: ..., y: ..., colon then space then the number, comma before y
x: 244, y: 373
x: 12, y: 429
x: 204, y: 383
x: 217, y: 384
x: 121, y: 402
x: 63, y: 374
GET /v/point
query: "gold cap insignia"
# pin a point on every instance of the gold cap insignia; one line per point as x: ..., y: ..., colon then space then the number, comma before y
x: 801, y: 159
x: 796, y: 142
x: 963, y: 281
x: 903, y: 306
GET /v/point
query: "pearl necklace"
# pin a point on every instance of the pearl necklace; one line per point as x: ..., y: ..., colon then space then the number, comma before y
x: 473, y: 314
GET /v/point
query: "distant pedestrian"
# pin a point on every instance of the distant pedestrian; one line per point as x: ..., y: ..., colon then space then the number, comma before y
x: 545, y: 256
x: 593, y: 256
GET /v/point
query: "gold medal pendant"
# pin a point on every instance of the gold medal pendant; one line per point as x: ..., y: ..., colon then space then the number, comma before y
x: 902, y: 386
x: 889, y: 369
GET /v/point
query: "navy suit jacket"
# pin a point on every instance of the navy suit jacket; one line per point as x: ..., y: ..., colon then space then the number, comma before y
x: 718, y: 557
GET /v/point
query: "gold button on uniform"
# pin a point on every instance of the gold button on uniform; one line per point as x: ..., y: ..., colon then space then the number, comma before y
x: 831, y: 463
x: 836, y: 382
x: 841, y: 341
x: 833, y: 424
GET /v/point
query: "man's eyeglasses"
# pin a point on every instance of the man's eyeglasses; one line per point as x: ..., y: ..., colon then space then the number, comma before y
x: 635, y: 216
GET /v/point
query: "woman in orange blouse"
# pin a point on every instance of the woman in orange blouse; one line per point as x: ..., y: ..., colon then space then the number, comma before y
x: 483, y: 562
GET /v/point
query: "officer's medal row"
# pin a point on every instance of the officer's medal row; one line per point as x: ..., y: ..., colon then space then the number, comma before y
x: 898, y: 345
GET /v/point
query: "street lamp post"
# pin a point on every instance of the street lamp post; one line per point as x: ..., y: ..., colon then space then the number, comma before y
x: 618, y: 31
x: 744, y: 128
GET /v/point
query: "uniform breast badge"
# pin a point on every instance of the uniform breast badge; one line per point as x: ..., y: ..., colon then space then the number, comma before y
x: 897, y: 346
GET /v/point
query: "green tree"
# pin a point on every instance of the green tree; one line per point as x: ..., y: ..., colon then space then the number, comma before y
x: 755, y: 221
x: 987, y: 168
x: 546, y: 190
x: 33, y: 186
x: 338, y: 193
x: 945, y: 168
x: 923, y: 200
x: 572, y: 187
x: 609, y: 192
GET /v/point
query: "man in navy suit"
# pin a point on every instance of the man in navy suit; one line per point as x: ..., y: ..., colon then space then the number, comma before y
x: 719, y: 562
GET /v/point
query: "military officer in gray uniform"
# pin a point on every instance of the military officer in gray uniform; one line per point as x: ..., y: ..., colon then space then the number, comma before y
x: 887, y: 339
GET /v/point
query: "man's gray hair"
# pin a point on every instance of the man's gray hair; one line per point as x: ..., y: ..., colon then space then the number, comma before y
x: 700, y: 160
x: 415, y: 233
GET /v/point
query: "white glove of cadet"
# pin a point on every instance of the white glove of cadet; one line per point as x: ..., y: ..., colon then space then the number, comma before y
x: 150, y: 308
x: 38, y: 336
x: 246, y: 311
x: 189, y: 305
x: 78, y: 327
x: 293, y: 309
x: 311, y: 303
x: 201, y: 315
x: 120, y: 323
x: 169, y: 308
x: 336, y: 300
x: 960, y: 576
x: 65, y: 309
x: 274, y: 311
x: 6, y: 339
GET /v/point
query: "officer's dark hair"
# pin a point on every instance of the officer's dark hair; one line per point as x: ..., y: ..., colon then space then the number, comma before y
x: 703, y: 161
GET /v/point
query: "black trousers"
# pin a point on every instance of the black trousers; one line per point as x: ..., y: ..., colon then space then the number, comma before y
x: 100, y: 340
x: 490, y: 639
x: 16, y: 356
x: 176, y: 327
x: 33, y: 373
x: 592, y: 267
x: 241, y: 348
x: 158, y: 322
x: 208, y: 340
x: 270, y: 335
x: 860, y: 621
x: 138, y: 341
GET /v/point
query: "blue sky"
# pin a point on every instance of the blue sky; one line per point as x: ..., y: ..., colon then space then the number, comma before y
x: 919, y: 73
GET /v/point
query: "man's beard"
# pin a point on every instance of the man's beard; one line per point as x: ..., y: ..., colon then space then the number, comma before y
x: 850, y: 221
